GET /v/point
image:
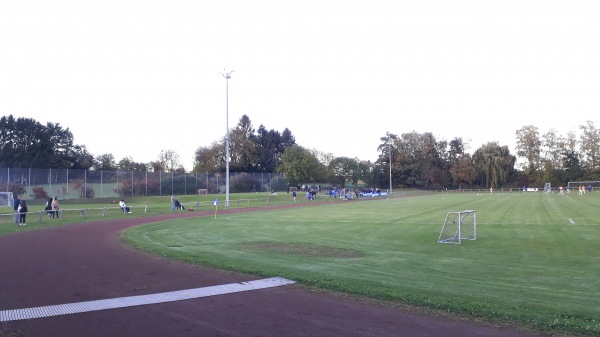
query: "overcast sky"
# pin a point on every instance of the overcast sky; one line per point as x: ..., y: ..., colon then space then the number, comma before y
x: 133, y: 78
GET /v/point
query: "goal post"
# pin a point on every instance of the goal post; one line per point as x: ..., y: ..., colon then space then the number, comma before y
x: 459, y: 226
x: 6, y: 199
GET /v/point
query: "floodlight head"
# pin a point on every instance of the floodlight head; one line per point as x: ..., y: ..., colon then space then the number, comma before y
x: 227, y: 75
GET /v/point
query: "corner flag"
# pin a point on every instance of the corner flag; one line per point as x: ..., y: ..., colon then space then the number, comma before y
x: 216, y: 204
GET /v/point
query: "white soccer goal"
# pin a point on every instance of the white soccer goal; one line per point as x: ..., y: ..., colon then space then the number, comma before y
x: 594, y: 185
x: 459, y: 226
x: 6, y: 199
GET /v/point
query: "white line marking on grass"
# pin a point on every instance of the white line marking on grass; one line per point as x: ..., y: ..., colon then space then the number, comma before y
x: 571, y: 221
x: 130, y: 301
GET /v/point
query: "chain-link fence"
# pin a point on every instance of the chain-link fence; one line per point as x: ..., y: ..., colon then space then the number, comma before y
x: 83, y: 184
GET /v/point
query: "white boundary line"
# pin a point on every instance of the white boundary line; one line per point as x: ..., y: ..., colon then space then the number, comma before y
x: 130, y: 301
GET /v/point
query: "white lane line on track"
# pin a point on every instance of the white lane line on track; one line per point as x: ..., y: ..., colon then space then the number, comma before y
x: 130, y: 301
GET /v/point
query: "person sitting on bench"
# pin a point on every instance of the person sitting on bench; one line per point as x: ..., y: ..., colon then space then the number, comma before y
x: 124, y: 208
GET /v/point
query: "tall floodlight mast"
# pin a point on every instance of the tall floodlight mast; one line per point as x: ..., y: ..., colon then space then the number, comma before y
x: 390, y: 156
x: 227, y: 76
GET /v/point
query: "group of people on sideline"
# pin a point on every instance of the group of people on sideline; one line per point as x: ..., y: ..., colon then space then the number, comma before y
x: 52, y: 207
x: 20, y: 208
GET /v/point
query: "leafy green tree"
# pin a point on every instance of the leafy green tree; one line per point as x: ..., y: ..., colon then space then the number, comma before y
x: 343, y: 170
x: 249, y: 150
x: 407, y: 162
x: 386, y: 148
x: 456, y: 151
x: 366, y: 175
x: 269, y: 148
x: 323, y: 157
x: 571, y: 159
x: 387, y: 156
x: 421, y: 161
x: 27, y: 143
x: 590, y: 145
x: 301, y: 166
x: 24, y: 143
x: 553, y: 146
x: 157, y: 166
x: 493, y: 164
x: 62, y: 140
x: 287, y: 139
x: 571, y: 142
x: 106, y: 161
x: 242, y: 147
x: 128, y: 164
x: 463, y: 171
x: 81, y: 158
x: 529, y: 146
x: 210, y: 158
x: 168, y: 161
x: 434, y: 169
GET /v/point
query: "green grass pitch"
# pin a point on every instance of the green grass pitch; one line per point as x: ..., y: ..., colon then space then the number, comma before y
x: 535, y: 263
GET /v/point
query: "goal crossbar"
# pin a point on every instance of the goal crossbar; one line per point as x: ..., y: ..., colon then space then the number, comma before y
x: 593, y: 183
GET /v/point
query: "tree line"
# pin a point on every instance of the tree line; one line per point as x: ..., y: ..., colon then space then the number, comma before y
x: 420, y: 160
x: 26, y: 143
x: 411, y: 160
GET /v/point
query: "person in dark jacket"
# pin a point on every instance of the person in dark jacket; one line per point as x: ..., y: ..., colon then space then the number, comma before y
x: 178, y: 205
x: 48, y: 208
x: 22, y: 212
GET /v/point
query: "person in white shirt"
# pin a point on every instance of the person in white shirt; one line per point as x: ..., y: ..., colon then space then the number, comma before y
x: 124, y: 208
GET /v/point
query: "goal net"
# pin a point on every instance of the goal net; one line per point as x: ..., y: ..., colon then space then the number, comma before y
x: 459, y: 226
x: 6, y: 199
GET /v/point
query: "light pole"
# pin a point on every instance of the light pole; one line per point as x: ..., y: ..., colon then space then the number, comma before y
x: 390, y: 155
x: 227, y: 76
